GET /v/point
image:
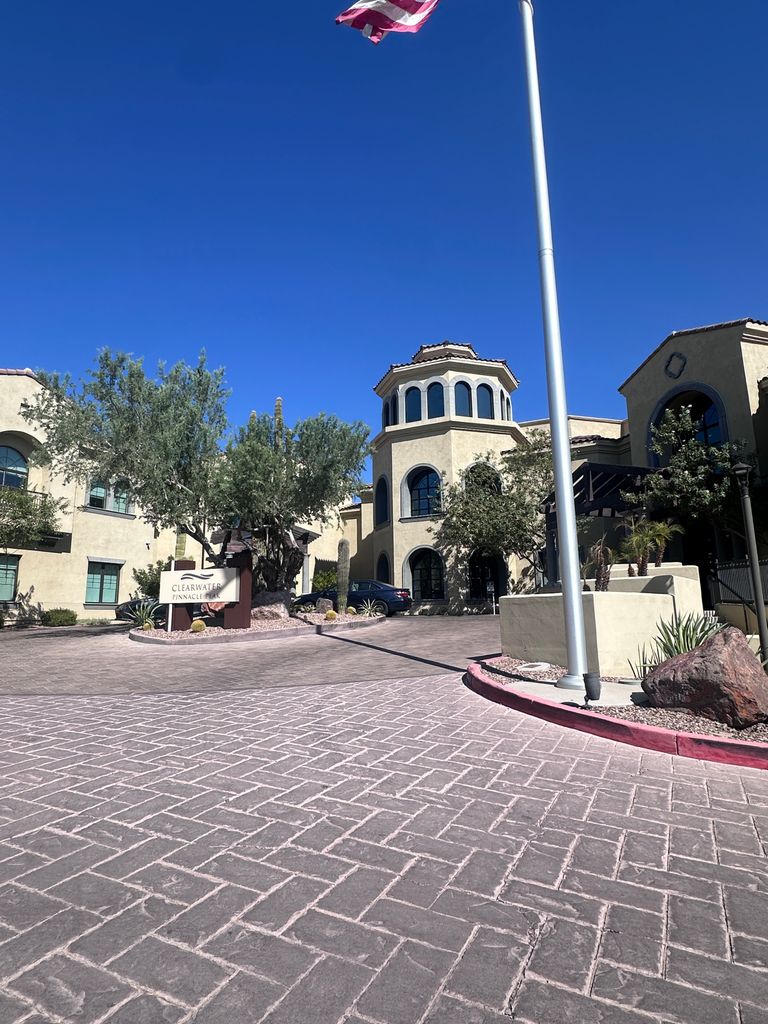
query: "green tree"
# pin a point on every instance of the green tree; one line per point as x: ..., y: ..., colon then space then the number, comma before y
x: 26, y: 518
x: 497, y: 506
x: 148, y: 579
x: 694, y: 481
x: 162, y: 433
x: 273, y: 479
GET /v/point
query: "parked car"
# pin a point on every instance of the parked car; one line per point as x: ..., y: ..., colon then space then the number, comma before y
x: 385, y: 598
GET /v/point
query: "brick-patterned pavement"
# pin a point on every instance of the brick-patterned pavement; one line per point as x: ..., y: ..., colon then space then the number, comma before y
x: 392, y: 852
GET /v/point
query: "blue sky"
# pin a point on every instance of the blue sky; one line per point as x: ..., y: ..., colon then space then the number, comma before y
x: 252, y: 179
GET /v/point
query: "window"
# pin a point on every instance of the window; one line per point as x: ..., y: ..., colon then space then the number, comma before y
x: 97, y: 495
x: 485, y: 402
x: 427, y: 576
x: 705, y: 416
x: 435, y: 401
x: 385, y: 415
x: 110, y: 499
x: 412, y: 405
x: 395, y: 416
x: 9, y: 571
x: 509, y: 408
x: 463, y: 396
x: 382, y: 569
x: 424, y: 489
x: 102, y: 582
x: 13, y: 468
x: 381, y: 503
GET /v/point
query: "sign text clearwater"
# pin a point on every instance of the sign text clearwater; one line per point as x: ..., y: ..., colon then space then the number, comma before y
x: 195, y: 586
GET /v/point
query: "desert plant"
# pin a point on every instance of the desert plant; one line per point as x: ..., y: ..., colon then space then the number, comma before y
x: 324, y: 580
x: 58, y: 617
x: 2, y: 620
x: 331, y: 616
x: 342, y: 575
x: 677, y: 635
x: 368, y: 609
x: 144, y: 614
x: 637, y: 544
x: 351, y: 611
x: 198, y: 626
x: 661, y: 534
x: 601, y: 559
x: 148, y: 579
x: 148, y: 627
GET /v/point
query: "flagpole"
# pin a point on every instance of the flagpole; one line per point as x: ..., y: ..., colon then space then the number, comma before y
x: 570, y: 569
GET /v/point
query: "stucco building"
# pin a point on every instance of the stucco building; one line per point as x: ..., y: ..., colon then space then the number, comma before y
x: 87, y: 564
x: 449, y: 406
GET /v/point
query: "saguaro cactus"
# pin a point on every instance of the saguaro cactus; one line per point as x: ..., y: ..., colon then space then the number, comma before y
x: 279, y: 424
x: 342, y: 576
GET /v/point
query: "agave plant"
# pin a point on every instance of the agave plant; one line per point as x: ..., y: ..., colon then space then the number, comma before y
x: 677, y: 635
x: 367, y: 609
x: 143, y: 615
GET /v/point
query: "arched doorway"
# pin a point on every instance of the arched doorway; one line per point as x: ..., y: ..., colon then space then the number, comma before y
x: 427, y: 575
x: 706, y: 411
x: 487, y: 576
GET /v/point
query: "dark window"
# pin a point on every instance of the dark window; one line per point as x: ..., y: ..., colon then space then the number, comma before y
x: 463, y: 396
x: 487, y: 577
x: 424, y: 489
x: 102, y: 582
x: 385, y: 417
x: 435, y: 401
x: 382, y: 569
x: 9, y: 571
x: 509, y: 409
x: 427, y: 576
x: 395, y: 417
x: 705, y: 417
x: 412, y: 405
x: 485, y: 402
x: 381, y: 503
x: 13, y: 468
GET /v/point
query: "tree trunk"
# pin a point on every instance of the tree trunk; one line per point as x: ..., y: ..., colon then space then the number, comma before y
x: 660, y: 552
x: 631, y: 570
x: 642, y: 564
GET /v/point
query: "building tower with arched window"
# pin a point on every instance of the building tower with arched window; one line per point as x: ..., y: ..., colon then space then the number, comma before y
x: 441, y: 412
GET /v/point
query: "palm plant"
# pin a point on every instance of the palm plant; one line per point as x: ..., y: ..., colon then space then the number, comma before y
x: 662, y: 534
x: 638, y: 544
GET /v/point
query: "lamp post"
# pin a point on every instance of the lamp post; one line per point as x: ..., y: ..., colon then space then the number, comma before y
x: 741, y: 471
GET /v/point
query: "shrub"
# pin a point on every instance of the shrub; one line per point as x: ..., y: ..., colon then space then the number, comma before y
x: 144, y: 614
x: 351, y: 611
x: 198, y: 626
x: 2, y: 620
x: 331, y: 616
x: 58, y: 617
x: 677, y: 635
x: 324, y: 580
x: 148, y: 579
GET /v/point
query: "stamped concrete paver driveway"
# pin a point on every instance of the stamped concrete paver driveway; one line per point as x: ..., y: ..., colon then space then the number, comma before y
x: 388, y: 852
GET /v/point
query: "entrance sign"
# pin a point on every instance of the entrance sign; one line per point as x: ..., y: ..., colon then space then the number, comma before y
x: 199, y: 586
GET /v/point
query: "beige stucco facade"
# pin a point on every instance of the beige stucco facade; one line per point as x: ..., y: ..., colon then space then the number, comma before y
x: 55, y: 573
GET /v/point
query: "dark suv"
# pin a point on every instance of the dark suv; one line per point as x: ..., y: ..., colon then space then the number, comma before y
x: 385, y: 598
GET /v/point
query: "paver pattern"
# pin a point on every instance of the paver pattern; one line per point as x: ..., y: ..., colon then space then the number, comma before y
x: 399, y: 852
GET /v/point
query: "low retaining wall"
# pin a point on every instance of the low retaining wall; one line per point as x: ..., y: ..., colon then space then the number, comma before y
x: 156, y: 636
x: 684, y: 744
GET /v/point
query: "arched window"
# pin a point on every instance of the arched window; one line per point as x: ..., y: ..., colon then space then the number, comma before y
x: 382, y: 569
x: 463, y: 397
x: 412, y: 405
x: 487, y: 577
x: 385, y: 415
x: 503, y: 404
x: 395, y: 416
x: 424, y: 490
x: 435, y: 401
x: 483, y: 477
x: 427, y: 575
x: 708, y: 426
x: 485, y: 402
x: 13, y: 468
x: 381, y: 503
x: 509, y: 408
x: 97, y: 495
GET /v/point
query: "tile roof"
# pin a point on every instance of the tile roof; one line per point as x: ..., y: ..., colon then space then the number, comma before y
x: 696, y: 330
x: 18, y: 373
x: 437, y: 359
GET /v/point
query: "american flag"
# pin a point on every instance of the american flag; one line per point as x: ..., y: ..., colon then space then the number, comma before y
x: 375, y: 18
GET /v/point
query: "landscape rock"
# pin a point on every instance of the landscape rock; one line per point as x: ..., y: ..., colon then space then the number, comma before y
x: 722, y: 679
x: 268, y: 606
x: 323, y: 605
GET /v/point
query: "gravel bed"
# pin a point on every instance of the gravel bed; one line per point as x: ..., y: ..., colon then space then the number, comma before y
x: 683, y: 720
x: 505, y: 669
x: 257, y: 626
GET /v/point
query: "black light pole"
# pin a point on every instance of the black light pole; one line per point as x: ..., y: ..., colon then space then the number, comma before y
x: 741, y: 471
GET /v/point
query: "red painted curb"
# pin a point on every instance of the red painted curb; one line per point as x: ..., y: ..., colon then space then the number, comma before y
x: 685, y: 744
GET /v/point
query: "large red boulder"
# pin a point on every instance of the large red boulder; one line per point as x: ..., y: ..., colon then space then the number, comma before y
x: 721, y: 679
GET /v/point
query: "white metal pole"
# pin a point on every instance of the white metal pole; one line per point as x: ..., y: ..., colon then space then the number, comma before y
x: 558, y: 409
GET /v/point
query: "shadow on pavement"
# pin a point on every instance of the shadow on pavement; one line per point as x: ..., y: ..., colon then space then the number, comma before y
x: 407, y: 656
